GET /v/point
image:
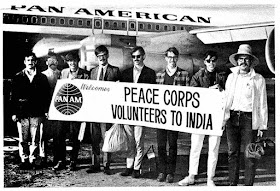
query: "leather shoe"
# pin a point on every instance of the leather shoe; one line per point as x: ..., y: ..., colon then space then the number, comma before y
x: 135, y: 174
x: 169, y: 178
x: 127, y: 172
x: 107, y: 170
x: 25, y: 165
x: 93, y: 169
x: 59, y: 166
x: 161, y: 177
x: 72, y: 166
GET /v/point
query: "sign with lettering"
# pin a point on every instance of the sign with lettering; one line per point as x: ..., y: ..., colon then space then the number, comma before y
x: 178, y: 108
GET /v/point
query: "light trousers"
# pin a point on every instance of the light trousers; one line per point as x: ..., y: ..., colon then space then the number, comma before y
x: 135, y: 155
x: 196, y: 146
x: 30, y: 127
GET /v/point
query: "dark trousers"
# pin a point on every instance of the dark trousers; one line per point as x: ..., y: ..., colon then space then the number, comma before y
x: 167, y: 164
x: 97, y: 131
x: 59, y: 138
x: 239, y: 131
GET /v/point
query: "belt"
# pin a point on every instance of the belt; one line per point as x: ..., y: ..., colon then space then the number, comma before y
x: 239, y: 112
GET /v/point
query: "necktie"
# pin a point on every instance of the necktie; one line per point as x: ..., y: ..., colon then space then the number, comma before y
x: 101, y: 74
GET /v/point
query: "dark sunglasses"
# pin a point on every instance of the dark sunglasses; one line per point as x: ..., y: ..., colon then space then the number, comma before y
x: 208, y: 61
x: 136, y: 56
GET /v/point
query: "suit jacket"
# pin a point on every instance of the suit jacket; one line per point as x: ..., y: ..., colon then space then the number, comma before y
x: 112, y: 73
x: 82, y: 74
x: 147, y: 75
x: 181, y: 77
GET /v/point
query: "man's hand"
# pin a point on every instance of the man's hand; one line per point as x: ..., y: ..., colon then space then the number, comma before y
x: 47, y: 115
x: 260, y: 133
x: 14, y: 118
x: 216, y: 86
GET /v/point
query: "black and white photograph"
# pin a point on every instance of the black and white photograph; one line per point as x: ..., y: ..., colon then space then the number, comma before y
x: 138, y: 94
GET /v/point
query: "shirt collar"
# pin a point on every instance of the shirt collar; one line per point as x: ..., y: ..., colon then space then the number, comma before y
x: 138, y: 68
x: 251, y: 73
x: 171, y: 71
x: 103, y: 66
x: 30, y: 74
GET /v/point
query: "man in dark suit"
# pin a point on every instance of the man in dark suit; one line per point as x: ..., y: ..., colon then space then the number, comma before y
x: 139, y: 73
x: 73, y: 72
x: 103, y: 72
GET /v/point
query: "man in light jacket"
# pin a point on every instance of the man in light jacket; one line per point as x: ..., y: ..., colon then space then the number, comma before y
x: 247, y: 108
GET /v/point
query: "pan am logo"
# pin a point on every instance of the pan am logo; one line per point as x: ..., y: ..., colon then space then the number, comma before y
x: 68, y: 100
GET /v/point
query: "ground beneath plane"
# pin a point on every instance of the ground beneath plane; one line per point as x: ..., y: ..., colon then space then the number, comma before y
x: 47, y: 178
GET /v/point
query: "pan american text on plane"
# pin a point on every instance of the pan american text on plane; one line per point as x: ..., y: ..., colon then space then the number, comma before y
x: 118, y: 14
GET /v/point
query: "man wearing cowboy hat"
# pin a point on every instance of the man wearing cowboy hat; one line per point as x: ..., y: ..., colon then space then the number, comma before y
x: 246, y: 107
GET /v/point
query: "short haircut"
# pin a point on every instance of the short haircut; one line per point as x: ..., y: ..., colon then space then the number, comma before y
x: 172, y: 49
x: 72, y: 56
x: 29, y: 53
x: 211, y: 53
x: 100, y: 49
x: 140, y: 48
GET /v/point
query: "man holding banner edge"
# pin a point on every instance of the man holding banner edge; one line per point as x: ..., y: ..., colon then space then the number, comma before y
x: 103, y: 72
x: 208, y: 77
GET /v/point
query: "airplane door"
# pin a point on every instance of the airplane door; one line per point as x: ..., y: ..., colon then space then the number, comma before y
x: 97, y: 25
x: 132, y: 28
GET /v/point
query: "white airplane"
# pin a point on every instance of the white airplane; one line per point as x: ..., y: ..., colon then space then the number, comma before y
x: 191, y: 29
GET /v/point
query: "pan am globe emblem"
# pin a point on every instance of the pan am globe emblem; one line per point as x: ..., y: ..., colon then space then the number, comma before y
x: 68, y: 99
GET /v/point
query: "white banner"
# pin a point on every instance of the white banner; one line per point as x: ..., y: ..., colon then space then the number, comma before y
x: 178, y: 108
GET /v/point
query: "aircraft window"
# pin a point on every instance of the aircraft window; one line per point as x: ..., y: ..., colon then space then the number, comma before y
x: 80, y: 22
x: 34, y: 19
x: 88, y: 23
x: 132, y: 25
x: 97, y: 23
x: 123, y: 25
x: 107, y: 24
x: 71, y: 22
x: 115, y: 25
x: 53, y: 21
x: 24, y: 19
x: 43, y: 20
x: 174, y: 28
x: 141, y: 26
x: 149, y: 26
x: 157, y: 27
x: 165, y: 27
x: 62, y: 21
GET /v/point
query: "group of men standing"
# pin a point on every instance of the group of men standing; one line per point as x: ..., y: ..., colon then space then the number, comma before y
x: 245, y: 113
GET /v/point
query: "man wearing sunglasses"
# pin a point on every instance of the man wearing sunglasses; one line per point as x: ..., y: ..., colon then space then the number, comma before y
x: 103, y: 72
x: 171, y: 75
x: 208, y: 77
x: 138, y: 73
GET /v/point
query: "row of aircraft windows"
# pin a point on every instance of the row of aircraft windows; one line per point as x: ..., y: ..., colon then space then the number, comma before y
x: 97, y: 23
x: 48, y: 20
x: 141, y: 26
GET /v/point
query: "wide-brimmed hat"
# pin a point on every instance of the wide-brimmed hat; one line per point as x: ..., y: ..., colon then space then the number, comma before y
x: 244, y: 49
